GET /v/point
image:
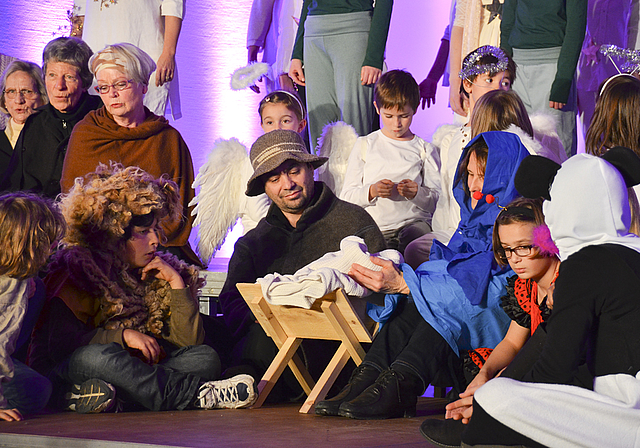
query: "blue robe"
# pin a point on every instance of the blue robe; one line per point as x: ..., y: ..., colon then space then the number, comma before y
x: 458, y: 290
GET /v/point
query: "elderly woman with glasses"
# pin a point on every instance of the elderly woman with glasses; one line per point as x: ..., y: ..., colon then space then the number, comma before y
x: 40, y: 150
x: 23, y: 91
x: 125, y: 131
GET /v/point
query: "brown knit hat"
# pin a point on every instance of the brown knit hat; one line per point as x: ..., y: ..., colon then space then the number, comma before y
x: 273, y: 149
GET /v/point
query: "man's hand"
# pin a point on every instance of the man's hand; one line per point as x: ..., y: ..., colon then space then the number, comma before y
x: 389, y: 280
x: 296, y: 72
x: 10, y: 415
x: 556, y: 105
x: 428, y: 89
x: 369, y: 75
x: 161, y: 269
x: 146, y: 344
x: 381, y: 189
x: 407, y: 188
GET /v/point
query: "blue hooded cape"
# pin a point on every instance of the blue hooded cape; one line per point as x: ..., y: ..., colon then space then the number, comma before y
x: 458, y: 290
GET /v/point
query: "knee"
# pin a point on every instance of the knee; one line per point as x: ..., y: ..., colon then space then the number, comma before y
x: 211, y: 365
x: 95, y: 357
x: 417, y: 252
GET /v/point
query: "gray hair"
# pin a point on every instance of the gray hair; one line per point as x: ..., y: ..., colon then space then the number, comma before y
x: 70, y: 50
x: 137, y: 64
x: 31, y: 69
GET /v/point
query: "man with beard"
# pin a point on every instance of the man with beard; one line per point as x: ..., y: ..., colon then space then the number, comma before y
x: 305, y: 221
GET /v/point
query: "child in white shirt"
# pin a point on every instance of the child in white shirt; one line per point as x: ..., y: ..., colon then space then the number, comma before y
x: 392, y: 173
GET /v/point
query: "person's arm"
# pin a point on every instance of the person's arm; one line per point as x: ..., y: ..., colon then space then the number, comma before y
x: 389, y: 280
x: 428, y: 192
x: 379, y: 31
x: 354, y: 190
x: 572, y: 324
x: 260, y: 20
x: 13, y: 307
x: 570, y: 52
x: 166, y: 63
x: 455, y: 65
x: 429, y: 85
x: 507, y: 23
x: 499, y: 358
x: 296, y: 70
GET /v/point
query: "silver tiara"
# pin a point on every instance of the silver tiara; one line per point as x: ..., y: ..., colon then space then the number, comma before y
x: 470, y: 67
x: 631, y: 58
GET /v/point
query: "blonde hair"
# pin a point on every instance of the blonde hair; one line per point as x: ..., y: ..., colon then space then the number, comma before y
x: 137, y: 64
x: 497, y: 110
x: 29, y: 228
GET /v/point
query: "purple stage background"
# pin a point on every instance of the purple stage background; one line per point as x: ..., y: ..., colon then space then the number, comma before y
x: 212, y: 45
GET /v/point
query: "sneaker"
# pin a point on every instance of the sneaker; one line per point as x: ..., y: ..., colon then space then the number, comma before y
x: 91, y: 397
x: 237, y: 392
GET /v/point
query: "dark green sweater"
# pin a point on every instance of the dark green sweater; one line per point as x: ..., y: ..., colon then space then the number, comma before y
x: 380, y: 19
x: 275, y: 246
x: 535, y: 24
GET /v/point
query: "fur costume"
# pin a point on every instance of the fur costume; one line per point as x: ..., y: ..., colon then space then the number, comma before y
x: 98, y: 211
x: 124, y: 300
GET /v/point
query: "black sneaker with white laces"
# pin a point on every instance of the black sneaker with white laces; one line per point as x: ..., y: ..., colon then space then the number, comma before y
x: 91, y: 397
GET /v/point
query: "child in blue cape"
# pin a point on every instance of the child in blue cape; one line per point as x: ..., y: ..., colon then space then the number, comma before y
x: 449, y: 305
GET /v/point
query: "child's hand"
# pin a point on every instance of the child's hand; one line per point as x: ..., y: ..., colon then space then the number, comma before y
x: 10, y: 415
x: 407, y: 188
x: 381, y: 189
x: 161, y: 269
x: 147, y: 345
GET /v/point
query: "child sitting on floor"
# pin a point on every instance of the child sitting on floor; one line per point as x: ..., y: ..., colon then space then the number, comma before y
x: 30, y: 226
x: 122, y: 316
x: 392, y: 173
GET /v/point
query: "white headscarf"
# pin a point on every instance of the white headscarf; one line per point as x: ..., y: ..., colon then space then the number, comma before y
x: 589, y: 205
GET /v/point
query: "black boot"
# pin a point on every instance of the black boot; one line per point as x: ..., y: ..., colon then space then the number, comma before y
x: 362, y: 377
x: 443, y: 433
x: 394, y: 394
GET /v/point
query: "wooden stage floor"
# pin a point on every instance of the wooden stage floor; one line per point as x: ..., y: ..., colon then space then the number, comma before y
x: 269, y: 426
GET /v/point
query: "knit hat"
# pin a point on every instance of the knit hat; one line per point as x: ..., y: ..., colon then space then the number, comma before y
x: 273, y: 149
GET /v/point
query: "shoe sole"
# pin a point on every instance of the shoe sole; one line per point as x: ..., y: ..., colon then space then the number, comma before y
x: 93, y: 396
x: 327, y: 412
x: 436, y: 443
x: 406, y: 414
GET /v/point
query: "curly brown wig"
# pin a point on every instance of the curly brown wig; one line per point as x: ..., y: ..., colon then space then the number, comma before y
x: 99, y: 207
x: 98, y: 210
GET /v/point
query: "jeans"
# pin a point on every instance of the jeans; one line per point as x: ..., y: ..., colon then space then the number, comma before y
x: 408, y: 344
x: 170, y: 384
x: 27, y: 391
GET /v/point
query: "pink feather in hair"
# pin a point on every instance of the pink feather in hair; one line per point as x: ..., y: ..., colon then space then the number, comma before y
x: 541, y: 238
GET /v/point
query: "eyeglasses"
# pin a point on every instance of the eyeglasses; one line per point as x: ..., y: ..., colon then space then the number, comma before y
x: 520, y: 251
x: 118, y: 86
x: 25, y: 93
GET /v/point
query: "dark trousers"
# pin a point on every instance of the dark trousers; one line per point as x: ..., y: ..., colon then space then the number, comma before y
x: 407, y: 343
x: 168, y: 385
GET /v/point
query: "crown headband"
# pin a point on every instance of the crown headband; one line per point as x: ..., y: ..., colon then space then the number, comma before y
x: 469, y: 67
x: 631, y: 58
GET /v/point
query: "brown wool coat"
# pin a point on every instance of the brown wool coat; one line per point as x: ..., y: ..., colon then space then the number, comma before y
x: 155, y: 146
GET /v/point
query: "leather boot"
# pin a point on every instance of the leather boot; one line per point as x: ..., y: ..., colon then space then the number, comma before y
x: 394, y: 394
x: 362, y: 377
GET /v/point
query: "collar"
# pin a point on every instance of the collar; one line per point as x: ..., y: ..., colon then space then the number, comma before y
x: 322, y: 199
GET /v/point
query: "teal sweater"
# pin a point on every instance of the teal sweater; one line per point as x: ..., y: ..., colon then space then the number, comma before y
x: 380, y: 19
x: 535, y: 24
